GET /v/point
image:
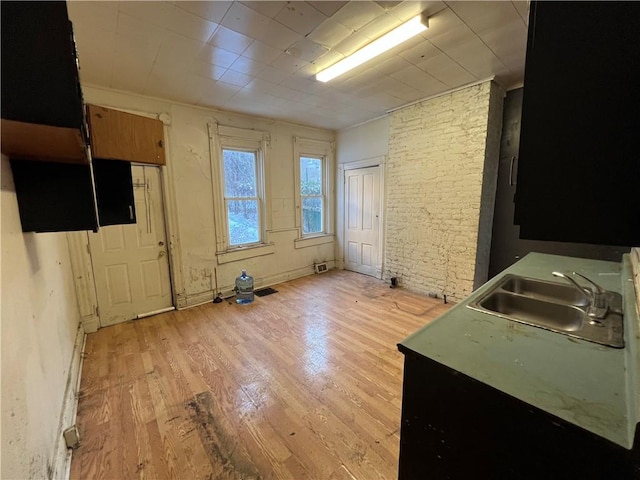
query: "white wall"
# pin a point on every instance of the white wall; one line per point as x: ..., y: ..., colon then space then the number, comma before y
x: 367, y: 140
x: 441, y: 174
x: 189, y: 160
x: 40, y: 321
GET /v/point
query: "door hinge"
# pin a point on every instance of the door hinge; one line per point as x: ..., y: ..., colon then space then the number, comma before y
x: 97, y: 311
x: 88, y: 249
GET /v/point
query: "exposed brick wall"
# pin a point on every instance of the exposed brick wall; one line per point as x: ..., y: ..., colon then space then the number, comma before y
x: 441, y: 174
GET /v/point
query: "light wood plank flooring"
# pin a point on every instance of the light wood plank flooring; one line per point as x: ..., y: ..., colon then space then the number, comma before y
x: 302, y: 384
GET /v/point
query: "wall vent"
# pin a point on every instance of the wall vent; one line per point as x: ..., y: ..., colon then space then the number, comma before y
x: 320, y: 267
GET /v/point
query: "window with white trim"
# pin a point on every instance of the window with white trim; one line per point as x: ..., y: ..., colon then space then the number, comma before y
x: 312, y: 194
x: 241, y: 196
x: 314, y: 187
x: 238, y: 161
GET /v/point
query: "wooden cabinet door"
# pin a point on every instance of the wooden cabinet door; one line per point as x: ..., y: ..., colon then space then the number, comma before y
x: 118, y: 135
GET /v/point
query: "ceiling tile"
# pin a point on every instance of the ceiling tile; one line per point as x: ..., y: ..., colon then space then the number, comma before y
x: 307, y: 50
x: 190, y: 25
x: 235, y: 78
x: 217, y: 56
x: 328, y: 8
x: 247, y: 66
x: 206, y: 70
x: 229, y: 40
x: 138, y: 31
x: 356, y: 15
x: 99, y: 15
x: 329, y: 33
x: 523, y: 10
x: 166, y: 15
x: 300, y: 17
x: 242, y: 19
x: 130, y: 73
x: 214, y: 94
x: 288, y: 63
x: 266, y: 8
x: 212, y: 11
x: 178, y: 49
x: 277, y: 36
x: 475, y: 57
x: 407, y: 10
x: 273, y: 74
x: 479, y: 18
x: 446, y: 70
x: 261, y: 52
x: 260, y: 86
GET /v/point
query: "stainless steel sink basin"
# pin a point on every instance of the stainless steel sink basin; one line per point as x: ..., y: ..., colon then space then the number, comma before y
x: 552, y: 306
x: 533, y: 311
x: 551, y: 291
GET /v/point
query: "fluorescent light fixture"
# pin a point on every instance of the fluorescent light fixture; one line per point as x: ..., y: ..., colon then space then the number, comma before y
x: 386, y: 42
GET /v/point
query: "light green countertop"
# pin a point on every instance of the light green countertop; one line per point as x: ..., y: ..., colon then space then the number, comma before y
x: 589, y: 385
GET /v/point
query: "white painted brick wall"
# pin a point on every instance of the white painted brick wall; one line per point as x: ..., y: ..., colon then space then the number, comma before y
x: 437, y: 212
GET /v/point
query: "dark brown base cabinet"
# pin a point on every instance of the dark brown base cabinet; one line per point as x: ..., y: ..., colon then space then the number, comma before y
x: 454, y: 427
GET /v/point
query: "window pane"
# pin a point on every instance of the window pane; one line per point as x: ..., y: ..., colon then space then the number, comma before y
x: 312, y: 215
x: 243, y: 221
x: 239, y: 173
x: 310, y: 176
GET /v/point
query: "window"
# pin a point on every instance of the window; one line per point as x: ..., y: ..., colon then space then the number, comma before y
x: 238, y: 158
x: 242, y: 203
x: 312, y: 194
x: 314, y: 190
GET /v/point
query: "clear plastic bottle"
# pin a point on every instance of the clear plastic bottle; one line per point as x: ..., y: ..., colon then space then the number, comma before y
x: 244, y: 288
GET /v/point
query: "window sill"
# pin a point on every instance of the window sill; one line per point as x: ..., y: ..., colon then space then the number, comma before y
x: 314, y: 241
x: 244, y: 253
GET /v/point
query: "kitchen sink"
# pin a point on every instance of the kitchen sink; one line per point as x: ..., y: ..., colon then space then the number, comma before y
x: 553, y: 306
x: 551, y: 291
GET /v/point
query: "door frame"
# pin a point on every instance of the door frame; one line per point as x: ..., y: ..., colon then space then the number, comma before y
x: 80, y: 252
x: 343, y: 168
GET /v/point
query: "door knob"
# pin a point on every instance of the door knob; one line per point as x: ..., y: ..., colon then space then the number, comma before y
x: 161, y: 243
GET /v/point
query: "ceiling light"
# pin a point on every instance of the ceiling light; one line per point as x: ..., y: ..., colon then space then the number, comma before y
x: 386, y: 42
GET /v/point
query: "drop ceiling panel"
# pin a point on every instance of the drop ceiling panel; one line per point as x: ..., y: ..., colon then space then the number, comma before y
x: 267, y: 8
x: 300, y: 17
x: 355, y: 15
x: 229, y: 40
x: 247, y: 66
x: 262, y: 57
x: 328, y: 8
x: 329, y: 33
x: 212, y: 11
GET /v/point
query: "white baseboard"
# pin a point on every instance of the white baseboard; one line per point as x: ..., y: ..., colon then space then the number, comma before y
x: 90, y: 323
x: 62, y: 455
x: 227, y: 290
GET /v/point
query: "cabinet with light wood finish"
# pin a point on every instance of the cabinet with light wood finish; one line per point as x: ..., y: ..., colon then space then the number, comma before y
x: 119, y: 135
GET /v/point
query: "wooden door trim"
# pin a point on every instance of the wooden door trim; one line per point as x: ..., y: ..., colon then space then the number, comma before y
x: 343, y: 168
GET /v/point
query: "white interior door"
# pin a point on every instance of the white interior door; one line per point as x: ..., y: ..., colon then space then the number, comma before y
x: 362, y: 220
x: 130, y: 262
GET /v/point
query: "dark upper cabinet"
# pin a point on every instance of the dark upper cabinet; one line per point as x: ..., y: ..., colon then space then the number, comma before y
x: 579, y: 157
x: 114, y: 192
x: 43, y: 128
x: 59, y: 197
x: 42, y: 108
x: 54, y: 197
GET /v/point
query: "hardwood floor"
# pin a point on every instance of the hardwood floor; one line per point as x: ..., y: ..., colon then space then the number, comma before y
x: 302, y: 384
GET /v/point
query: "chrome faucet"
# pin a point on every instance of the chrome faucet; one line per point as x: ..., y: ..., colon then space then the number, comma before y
x: 596, y: 295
